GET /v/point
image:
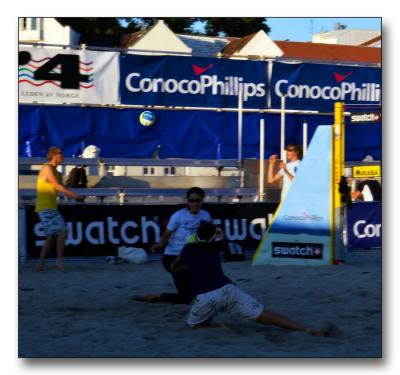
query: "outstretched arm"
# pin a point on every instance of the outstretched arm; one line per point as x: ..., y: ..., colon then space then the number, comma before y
x: 163, y: 240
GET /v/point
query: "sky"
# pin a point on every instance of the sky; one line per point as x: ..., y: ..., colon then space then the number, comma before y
x: 301, y: 29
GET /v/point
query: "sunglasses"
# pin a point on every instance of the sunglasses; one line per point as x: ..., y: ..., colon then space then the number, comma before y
x: 290, y: 149
x: 195, y: 200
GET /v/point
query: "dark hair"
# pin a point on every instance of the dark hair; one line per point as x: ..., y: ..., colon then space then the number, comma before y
x: 206, y: 231
x: 195, y: 190
x: 297, y: 149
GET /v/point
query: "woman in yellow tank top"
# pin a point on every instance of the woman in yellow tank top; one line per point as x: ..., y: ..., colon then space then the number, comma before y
x: 49, y: 183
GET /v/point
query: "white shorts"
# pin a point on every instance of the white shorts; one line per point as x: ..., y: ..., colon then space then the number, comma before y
x: 229, y: 298
x: 52, y: 222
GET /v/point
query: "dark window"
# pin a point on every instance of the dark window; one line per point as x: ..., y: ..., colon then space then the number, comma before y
x: 34, y: 23
x: 23, y: 23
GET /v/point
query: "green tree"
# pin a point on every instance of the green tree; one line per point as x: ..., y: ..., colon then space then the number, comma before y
x: 236, y: 26
x: 93, y: 25
x: 179, y: 25
x: 109, y: 26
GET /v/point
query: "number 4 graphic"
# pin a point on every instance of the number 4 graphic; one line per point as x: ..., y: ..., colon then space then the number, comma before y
x: 69, y: 77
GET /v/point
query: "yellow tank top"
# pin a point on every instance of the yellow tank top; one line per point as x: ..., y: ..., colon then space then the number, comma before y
x: 46, y: 194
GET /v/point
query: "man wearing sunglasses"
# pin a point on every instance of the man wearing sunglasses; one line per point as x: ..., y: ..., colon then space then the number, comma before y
x: 286, y: 171
x: 181, y: 226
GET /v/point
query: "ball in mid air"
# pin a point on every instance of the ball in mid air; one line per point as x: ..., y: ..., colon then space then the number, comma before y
x: 147, y: 118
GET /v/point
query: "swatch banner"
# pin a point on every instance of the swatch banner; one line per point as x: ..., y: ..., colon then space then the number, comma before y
x: 51, y: 75
x: 192, y: 82
x: 95, y: 230
x: 364, y: 225
x: 318, y: 86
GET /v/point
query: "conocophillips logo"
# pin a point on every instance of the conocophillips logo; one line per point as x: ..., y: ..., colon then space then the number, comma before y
x: 204, y: 84
x: 304, y: 216
x: 362, y: 229
x: 297, y: 250
x: 346, y: 91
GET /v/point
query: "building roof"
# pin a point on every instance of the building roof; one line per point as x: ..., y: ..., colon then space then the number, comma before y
x: 372, y: 41
x: 229, y: 46
x: 330, y: 52
x: 237, y: 44
x: 128, y: 40
x: 204, y: 45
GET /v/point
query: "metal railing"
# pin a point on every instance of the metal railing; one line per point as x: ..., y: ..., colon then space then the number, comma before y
x: 122, y: 195
x: 220, y: 163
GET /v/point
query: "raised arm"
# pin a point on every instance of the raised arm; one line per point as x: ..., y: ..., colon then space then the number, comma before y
x: 271, y: 177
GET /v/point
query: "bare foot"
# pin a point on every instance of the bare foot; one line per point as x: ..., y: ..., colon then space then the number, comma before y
x: 40, y: 267
x: 59, y: 266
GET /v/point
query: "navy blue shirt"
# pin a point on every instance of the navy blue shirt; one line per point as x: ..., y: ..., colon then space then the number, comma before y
x: 203, y: 261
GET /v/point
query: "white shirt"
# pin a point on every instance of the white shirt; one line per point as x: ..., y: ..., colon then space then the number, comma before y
x: 366, y: 194
x: 292, y: 168
x: 182, y: 225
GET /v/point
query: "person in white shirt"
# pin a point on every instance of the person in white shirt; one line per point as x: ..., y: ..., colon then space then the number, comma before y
x: 286, y: 171
x: 367, y: 190
x: 181, y: 226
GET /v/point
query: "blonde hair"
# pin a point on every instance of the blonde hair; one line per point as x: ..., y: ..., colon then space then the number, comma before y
x: 52, y: 151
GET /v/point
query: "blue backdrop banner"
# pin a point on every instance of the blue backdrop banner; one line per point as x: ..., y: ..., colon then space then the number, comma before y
x: 192, y: 81
x: 191, y: 134
x: 364, y: 225
x: 318, y: 86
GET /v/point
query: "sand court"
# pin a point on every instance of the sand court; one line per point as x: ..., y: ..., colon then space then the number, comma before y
x: 86, y: 311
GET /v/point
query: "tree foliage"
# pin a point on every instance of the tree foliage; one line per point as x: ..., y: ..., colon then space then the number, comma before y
x: 93, y: 25
x: 214, y: 26
x: 179, y: 25
x: 235, y: 27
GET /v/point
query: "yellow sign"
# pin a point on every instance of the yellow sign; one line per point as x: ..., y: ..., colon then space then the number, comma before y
x: 367, y: 171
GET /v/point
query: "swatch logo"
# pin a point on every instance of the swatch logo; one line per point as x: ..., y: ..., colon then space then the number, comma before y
x: 197, y: 70
x: 340, y: 78
x: 297, y: 250
x: 62, y: 70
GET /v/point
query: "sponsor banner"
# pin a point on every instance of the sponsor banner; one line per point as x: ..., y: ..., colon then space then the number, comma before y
x: 100, y: 230
x: 300, y: 233
x: 318, y: 86
x: 367, y: 171
x: 53, y: 75
x: 192, y: 82
x: 364, y: 225
x: 357, y: 118
x: 297, y: 250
